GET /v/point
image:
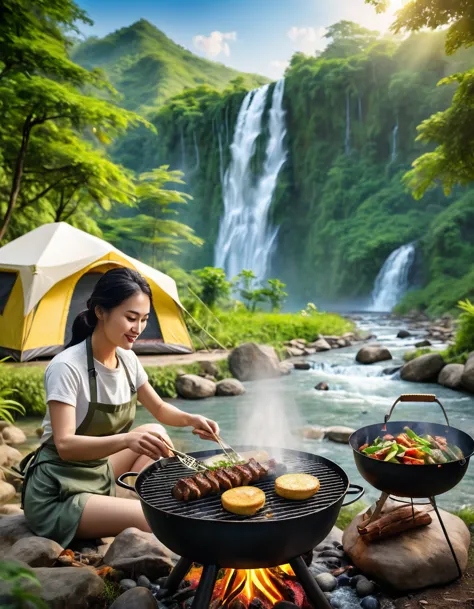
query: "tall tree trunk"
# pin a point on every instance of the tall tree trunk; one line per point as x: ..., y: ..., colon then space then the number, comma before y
x: 17, y: 176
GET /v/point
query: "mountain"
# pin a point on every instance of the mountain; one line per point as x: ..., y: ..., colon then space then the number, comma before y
x: 147, y: 67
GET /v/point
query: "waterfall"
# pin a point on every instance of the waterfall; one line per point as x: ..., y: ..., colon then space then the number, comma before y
x: 394, y: 141
x: 392, y: 280
x: 245, y: 240
x: 196, y: 150
x: 348, y: 124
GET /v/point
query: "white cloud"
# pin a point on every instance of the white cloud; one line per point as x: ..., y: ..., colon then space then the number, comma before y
x: 214, y: 44
x: 307, y: 39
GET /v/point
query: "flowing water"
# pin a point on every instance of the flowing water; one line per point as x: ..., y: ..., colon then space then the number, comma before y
x: 392, y: 281
x: 245, y: 239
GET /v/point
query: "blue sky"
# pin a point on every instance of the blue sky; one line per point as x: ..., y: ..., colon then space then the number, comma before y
x: 249, y: 35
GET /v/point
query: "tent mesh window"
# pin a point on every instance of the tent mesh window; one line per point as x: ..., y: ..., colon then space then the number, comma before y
x: 7, y: 281
x: 82, y: 292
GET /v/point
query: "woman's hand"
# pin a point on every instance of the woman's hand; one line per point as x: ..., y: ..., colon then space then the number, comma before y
x: 204, y: 428
x: 147, y: 443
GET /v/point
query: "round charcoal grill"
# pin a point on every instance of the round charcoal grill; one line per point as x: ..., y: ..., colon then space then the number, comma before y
x: 204, y: 532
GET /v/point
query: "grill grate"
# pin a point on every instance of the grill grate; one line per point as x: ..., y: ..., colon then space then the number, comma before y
x: 156, y: 487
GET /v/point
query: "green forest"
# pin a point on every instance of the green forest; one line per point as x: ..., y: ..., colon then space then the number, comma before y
x: 128, y: 137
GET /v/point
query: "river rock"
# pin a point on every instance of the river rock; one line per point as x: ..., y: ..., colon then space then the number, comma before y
x: 250, y: 362
x: 370, y: 354
x: 314, y: 433
x: 136, y: 553
x: 309, y: 350
x: 413, y: 559
x: 302, y: 365
x: 209, y: 368
x: 403, y: 334
x: 135, y: 598
x: 9, y: 456
x: 35, y: 551
x: 299, y: 343
x: 326, y: 582
x: 12, y: 528
x: 451, y: 376
x: 320, y: 345
x: 322, y: 387
x: 13, y: 435
x: 193, y: 387
x: 423, y: 369
x: 339, y: 433
x: 7, y: 492
x: 229, y: 387
x: 294, y: 351
x: 70, y: 587
x: 423, y: 343
x: 285, y: 368
x: 467, y: 378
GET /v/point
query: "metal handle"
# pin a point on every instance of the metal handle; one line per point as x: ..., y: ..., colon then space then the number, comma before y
x: 353, y: 490
x: 416, y: 397
x: 123, y: 484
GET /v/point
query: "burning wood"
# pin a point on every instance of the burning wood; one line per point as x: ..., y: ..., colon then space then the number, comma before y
x: 397, y: 521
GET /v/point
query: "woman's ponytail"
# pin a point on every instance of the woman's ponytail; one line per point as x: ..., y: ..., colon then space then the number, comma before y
x: 82, y: 327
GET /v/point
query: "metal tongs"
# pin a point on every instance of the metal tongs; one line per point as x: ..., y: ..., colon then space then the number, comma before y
x: 185, y: 459
x: 229, y: 452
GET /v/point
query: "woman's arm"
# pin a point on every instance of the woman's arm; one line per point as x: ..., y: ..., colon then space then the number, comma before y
x: 72, y: 447
x: 170, y: 415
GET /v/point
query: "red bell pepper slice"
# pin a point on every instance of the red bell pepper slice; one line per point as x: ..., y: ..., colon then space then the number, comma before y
x: 412, y: 461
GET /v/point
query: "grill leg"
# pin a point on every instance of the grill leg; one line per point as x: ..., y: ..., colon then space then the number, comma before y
x: 314, y: 593
x: 177, y: 575
x: 433, y: 503
x: 206, y: 587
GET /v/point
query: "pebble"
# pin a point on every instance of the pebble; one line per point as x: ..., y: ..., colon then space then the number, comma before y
x: 326, y: 582
x: 143, y: 581
x: 333, y: 553
x: 343, y: 580
x: 370, y: 602
x: 161, y: 581
x: 332, y: 562
x: 355, y: 580
x: 127, y: 584
x: 364, y: 587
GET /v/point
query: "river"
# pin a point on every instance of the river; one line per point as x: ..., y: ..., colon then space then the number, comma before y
x: 271, y: 413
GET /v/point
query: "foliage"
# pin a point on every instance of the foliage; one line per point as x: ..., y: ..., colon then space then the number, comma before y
x: 162, y: 379
x: 275, y: 294
x: 147, y: 68
x: 411, y: 355
x: 347, y: 514
x: 27, y: 384
x: 464, y: 343
x: 22, y: 583
x: 214, y: 285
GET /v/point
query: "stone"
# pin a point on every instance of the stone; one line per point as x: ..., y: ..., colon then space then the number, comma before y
x: 294, y: 351
x: 364, y: 587
x: 35, y: 551
x: 332, y: 552
x: 13, y: 435
x: 302, y: 365
x: 10, y: 509
x: 229, y: 387
x: 209, y: 368
x: 372, y: 353
x: 137, y: 552
x: 320, y: 345
x: 143, y: 581
x: 370, y: 602
x: 193, y: 387
x: 309, y: 351
x: 250, y: 362
x: 400, y: 562
x: 136, y: 598
x: 467, y: 378
x: 423, y: 343
x: 451, y: 376
x: 314, y: 433
x: 390, y: 371
x: 12, y: 528
x: 338, y: 433
x: 128, y: 584
x: 7, y: 492
x: 326, y: 582
x: 9, y: 456
x: 335, y: 536
x: 403, y: 334
x: 285, y: 368
x: 297, y: 342
x: 70, y: 587
x: 343, y: 580
x: 423, y: 369
x: 322, y: 387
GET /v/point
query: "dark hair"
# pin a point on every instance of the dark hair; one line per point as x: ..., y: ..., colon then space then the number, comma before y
x: 111, y: 290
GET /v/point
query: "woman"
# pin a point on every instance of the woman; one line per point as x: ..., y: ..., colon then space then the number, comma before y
x: 92, y: 389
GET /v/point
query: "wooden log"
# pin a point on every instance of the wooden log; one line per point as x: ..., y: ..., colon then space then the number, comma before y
x: 394, y: 523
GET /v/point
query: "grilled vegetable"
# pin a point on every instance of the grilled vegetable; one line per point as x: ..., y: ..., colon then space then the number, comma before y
x: 411, y: 449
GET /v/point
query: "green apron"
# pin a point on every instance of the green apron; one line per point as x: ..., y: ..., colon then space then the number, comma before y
x: 55, y: 491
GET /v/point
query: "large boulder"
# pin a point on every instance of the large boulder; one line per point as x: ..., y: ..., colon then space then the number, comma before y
x: 451, y: 376
x: 339, y: 433
x: 193, y: 387
x: 137, y: 553
x: 70, y: 587
x: 370, y: 354
x: 35, y: 551
x: 229, y: 387
x: 413, y: 559
x: 467, y: 378
x: 209, y: 368
x: 13, y: 435
x: 9, y: 456
x: 12, y: 528
x: 423, y: 369
x: 251, y: 361
x: 7, y: 492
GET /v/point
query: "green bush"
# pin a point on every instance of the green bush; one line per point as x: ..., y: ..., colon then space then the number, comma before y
x: 411, y: 355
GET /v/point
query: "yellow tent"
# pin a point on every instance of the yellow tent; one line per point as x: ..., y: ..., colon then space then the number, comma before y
x: 46, y: 277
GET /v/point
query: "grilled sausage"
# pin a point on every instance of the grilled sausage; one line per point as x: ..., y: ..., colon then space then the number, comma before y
x: 245, y: 474
x: 224, y: 480
x: 253, y: 471
x: 213, y: 481
x: 203, y: 484
x: 262, y: 470
x: 233, y: 476
x: 195, y: 493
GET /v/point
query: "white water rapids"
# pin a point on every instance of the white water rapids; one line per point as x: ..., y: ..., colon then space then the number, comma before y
x: 392, y: 281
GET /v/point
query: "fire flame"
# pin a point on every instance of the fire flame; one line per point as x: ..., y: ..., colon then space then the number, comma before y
x: 253, y: 583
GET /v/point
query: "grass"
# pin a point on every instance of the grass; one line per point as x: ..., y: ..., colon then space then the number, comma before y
x: 347, y: 514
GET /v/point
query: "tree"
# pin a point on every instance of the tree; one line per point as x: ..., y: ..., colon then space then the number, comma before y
x: 214, y: 285
x: 452, y: 131
x: 42, y: 90
x: 346, y: 39
x: 275, y: 293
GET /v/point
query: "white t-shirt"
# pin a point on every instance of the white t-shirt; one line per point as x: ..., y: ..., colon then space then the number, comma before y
x: 66, y: 380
